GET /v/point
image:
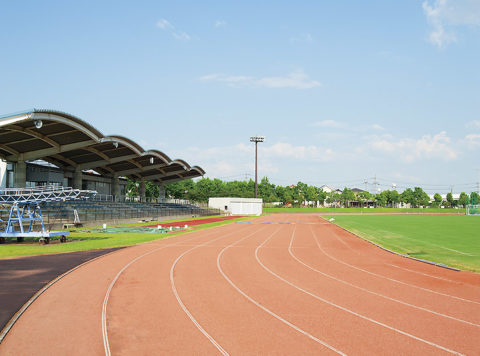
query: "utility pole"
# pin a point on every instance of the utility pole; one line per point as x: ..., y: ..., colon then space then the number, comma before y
x: 256, y: 139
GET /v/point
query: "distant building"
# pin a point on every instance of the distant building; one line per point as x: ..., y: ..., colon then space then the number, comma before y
x: 326, y: 189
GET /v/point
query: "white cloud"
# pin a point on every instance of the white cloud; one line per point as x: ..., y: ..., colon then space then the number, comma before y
x: 220, y: 23
x: 473, y: 140
x: 444, y: 15
x: 475, y: 124
x: 287, y: 150
x: 238, y: 159
x: 303, y: 38
x: 332, y: 124
x: 167, y: 26
x: 296, y: 80
x: 378, y: 127
x: 164, y: 24
x: 410, y: 150
x: 181, y: 36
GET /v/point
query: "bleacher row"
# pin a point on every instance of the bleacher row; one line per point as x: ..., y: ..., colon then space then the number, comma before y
x: 55, y: 213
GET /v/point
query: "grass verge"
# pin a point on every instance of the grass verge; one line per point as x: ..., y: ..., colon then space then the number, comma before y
x: 449, y: 239
x: 83, y: 241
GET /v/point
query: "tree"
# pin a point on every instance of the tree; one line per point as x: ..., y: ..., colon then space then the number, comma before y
x: 266, y: 190
x: 437, y: 199
x: 151, y: 190
x: 421, y: 198
x: 311, y: 194
x: 364, y: 197
x: 393, y: 197
x: 131, y: 190
x: 280, y: 193
x: 321, y: 195
x: 450, y: 199
x: 463, y: 199
x: 333, y: 197
x: 474, y: 198
x: 407, y: 197
x: 381, y: 199
x: 347, y: 196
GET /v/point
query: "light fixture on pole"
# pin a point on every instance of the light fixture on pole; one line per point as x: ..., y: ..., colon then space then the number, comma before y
x: 256, y: 139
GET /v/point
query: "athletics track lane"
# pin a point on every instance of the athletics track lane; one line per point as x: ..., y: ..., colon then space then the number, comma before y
x: 242, y: 306
x: 398, y: 316
x: 66, y: 319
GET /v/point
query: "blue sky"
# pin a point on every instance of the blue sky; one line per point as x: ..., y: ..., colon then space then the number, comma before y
x: 342, y: 90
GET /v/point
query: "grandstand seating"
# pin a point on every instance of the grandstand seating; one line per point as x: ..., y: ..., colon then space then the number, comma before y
x: 55, y: 213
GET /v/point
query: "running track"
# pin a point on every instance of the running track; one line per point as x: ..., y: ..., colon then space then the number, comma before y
x: 254, y: 289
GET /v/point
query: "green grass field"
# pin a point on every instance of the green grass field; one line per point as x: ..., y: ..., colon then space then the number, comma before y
x: 83, y: 241
x: 364, y: 210
x: 449, y: 239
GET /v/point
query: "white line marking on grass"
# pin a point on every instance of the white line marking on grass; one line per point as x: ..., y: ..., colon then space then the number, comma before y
x: 348, y: 310
x: 451, y: 249
x: 375, y: 293
x: 266, y: 309
x: 106, y: 343
x: 388, y: 278
x: 445, y: 248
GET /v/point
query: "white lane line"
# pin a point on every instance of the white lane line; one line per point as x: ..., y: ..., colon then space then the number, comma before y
x: 425, y: 274
x: 106, y: 343
x: 266, y: 309
x: 388, y: 278
x: 375, y: 293
x: 182, y: 305
x: 348, y: 310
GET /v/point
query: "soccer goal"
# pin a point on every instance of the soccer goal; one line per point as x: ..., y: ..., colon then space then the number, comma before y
x: 473, y: 208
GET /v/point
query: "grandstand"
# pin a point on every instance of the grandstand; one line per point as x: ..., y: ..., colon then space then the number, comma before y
x: 69, y: 213
x: 48, y: 147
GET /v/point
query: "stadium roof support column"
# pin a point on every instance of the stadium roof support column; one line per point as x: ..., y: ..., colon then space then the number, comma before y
x: 142, y: 190
x: 116, y: 188
x: 77, y: 179
x: 20, y: 174
x: 161, y: 191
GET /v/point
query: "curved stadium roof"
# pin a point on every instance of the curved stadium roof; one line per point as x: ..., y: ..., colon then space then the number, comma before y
x: 71, y: 143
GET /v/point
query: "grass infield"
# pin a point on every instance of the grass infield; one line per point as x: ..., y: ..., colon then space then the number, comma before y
x: 449, y: 239
x: 83, y: 241
x: 365, y: 211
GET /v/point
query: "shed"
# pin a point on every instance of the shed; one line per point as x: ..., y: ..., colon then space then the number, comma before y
x: 237, y: 206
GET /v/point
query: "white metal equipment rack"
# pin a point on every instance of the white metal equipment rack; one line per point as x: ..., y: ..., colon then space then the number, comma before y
x: 24, y: 205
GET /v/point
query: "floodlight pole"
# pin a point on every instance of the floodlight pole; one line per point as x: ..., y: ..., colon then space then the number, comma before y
x: 256, y: 139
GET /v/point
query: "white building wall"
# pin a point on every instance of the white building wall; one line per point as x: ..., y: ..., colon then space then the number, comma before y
x: 237, y: 206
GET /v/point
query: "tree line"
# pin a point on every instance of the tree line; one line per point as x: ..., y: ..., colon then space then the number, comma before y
x: 303, y: 194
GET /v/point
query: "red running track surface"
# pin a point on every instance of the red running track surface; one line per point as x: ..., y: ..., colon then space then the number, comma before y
x: 197, y: 221
x: 292, y: 289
